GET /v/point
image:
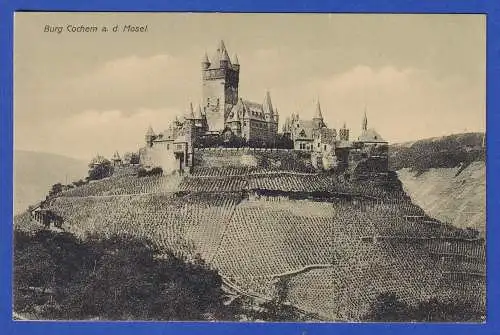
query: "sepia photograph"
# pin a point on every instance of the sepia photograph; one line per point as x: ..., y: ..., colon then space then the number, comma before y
x: 249, y: 167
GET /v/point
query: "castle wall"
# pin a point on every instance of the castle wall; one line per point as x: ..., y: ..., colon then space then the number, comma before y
x: 160, y: 155
x: 258, y: 131
x: 286, y: 159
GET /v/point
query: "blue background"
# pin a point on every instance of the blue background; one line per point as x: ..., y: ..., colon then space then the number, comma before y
x: 490, y: 8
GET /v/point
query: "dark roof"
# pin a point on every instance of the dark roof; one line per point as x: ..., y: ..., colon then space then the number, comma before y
x: 327, y: 135
x: 303, y: 129
x: 371, y: 136
x: 248, y: 110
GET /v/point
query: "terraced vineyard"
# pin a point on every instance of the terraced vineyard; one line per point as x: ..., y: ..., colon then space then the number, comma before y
x: 336, y: 255
x: 125, y: 185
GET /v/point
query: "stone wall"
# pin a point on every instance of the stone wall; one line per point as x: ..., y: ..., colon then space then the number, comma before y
x: 283, y: 159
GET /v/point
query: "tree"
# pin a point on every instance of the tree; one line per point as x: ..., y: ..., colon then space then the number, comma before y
x: 116, y: 278
x: 134, y: 158
x: 100, y: 168
x: 56, y: 189
x: 388, y: 308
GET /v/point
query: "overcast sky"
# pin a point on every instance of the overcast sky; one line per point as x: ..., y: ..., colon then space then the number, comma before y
x: 76, y: 94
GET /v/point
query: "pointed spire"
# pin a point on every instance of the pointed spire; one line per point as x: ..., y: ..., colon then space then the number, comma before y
x: 190, y: 113
x: 205, y: 58
x: 198, y: 115
x: 222, y: 45
x: 364, y: 126
x: 267, y: 106
x: 225, y: 56
x: 235, y: 60
x: 149, y: 132
x: 344, y: 126
x: 318, y: 114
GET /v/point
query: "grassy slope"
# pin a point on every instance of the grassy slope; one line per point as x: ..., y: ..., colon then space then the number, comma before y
x: 446, y: 177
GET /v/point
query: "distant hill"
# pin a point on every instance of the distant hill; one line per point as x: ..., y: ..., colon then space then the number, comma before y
x: 458, y: 150
x: 446, y: 176
x: 36, y: 172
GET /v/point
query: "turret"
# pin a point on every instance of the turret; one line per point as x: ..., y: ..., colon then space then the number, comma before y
x: 190, y: 112
x: 150, y: 137
x: 236, y: 63
x: 318, y: 117
x: 267, y: 106
x: 116, y: 159
x: 198, y: 115
x: 224, y: 60
x: 344, y: 133
x: 205, y: 62
x: 364, y: 125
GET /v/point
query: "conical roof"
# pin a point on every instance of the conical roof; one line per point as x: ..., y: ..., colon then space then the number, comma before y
x: 116, y: 156
x: 190, y: 112
x: 364, y: 125
x: 198, y: 115
x: 267, y: 106
x: 317, y: 113
x: 222, y: 46
x: 225, y: 56
x: 150, y: 131
x: 205, y: 58
x: 371, y: 136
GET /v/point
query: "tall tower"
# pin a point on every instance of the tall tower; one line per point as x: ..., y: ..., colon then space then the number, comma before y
x: 220, y: 80
x: 149, y: 137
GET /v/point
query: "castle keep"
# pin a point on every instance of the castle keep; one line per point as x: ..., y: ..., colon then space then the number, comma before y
x: 225, y: 119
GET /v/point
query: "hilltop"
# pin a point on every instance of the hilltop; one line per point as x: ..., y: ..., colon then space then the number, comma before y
x: 458, y: 150
x: 36, y: 172
x: 446, y: 176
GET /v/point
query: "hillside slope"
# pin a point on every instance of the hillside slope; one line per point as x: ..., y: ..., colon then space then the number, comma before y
x: 456, y: 199
x: 445, y: 176
x: 36, y: 172
x: 336, y: 255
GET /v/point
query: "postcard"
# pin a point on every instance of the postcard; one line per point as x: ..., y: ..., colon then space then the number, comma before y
x: 249, y: 167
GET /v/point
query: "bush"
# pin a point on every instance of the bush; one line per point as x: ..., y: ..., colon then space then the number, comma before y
x: 79, y: 183
x: 388, y: 308
x: 114, y: 278
x: 447, y: 152
x: 55, y: 189
x: 100, y: 170
x: 156, y: 171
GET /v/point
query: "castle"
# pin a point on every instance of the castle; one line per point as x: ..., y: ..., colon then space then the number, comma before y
x: 225, y: 119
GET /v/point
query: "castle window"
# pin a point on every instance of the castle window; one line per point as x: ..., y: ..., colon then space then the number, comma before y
x: 325, y: 147
x: 168, y: 146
